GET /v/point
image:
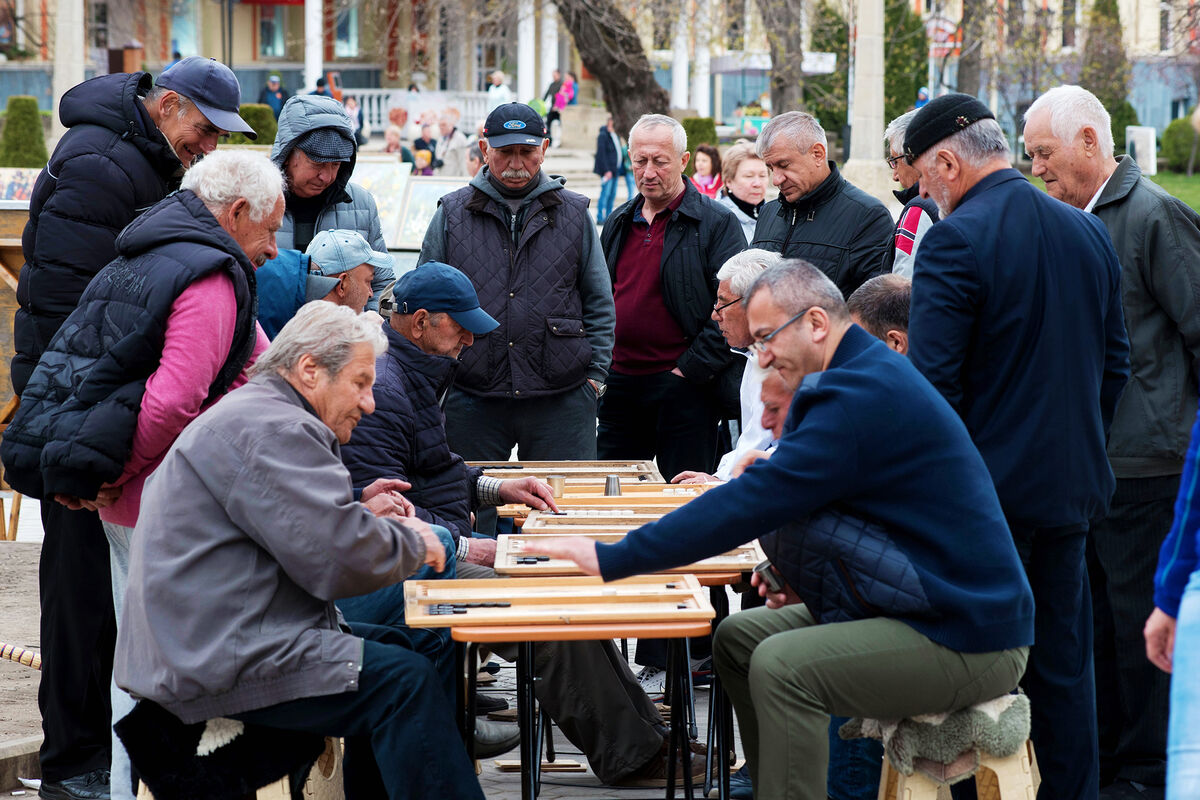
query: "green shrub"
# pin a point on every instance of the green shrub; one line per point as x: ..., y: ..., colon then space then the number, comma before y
x: 1122, y: 115
x: 1177, y: 143
x: 262, y: 119
x: 699, y: 130
x: 23, y: 143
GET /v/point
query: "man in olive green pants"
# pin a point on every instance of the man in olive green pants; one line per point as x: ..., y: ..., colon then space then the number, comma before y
x: 786, y: 674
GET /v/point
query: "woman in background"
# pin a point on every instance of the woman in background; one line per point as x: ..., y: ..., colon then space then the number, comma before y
x: 706, y: 170
x: 745, y: 185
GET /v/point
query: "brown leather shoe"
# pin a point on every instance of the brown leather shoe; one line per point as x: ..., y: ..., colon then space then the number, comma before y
x: 653, y: 774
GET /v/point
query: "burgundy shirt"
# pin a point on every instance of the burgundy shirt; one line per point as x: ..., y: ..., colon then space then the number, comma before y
x: 648, y: 339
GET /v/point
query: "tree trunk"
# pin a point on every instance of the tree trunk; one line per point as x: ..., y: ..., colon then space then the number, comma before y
x: 970, y: 62
x: 611, y: 50
x: 781, y: 21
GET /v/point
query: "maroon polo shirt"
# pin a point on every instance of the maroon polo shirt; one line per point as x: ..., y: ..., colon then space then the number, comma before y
x: 648, y: 339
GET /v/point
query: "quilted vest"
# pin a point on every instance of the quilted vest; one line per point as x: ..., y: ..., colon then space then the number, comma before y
x: 526, y: 273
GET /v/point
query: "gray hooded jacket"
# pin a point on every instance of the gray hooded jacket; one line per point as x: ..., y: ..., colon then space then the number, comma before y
x: 348, y: 206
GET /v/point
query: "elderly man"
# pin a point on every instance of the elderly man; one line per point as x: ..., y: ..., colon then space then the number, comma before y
x: 586, y: 686
x: 255, y: 488
x: 818, y: 216
x: 1019, y: 326
x: 734, y: 278
x: 1157, y: 239
x: 165, y: 330
x: 316, y: 150
x: 918, y: 212
x: 273, y: 94
x: 451, y: 148
x: 881, y: 306
x: 867, y: 438
x: 531, y: 252
x: 126, y: 147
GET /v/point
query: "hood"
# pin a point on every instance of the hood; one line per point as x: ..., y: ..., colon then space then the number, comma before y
x: 179, y: 218
x: 112, y: 102
x: 547, y: 183
x: 307, y: 112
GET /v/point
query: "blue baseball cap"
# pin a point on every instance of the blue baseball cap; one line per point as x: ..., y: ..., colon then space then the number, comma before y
x: 440, y: 288
x: 214, y: 89
x: 514, y: 123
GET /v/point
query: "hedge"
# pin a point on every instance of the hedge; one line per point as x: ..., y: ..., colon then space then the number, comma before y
x: 23, y: 143
x: 262, y: 119
x: 699, y: 130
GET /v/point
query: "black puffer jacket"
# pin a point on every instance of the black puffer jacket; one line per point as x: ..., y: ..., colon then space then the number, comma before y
x: 837, y: 227
x: 406, y: 436
x: 111, y: 165
x: 700, y: 237
x: 74, y: 429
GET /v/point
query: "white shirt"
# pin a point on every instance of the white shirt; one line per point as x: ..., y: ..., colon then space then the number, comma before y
x: 1092, y: 203
x: 753, y: 435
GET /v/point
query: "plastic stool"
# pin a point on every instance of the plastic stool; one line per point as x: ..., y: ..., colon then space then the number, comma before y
x: 1008, y: 778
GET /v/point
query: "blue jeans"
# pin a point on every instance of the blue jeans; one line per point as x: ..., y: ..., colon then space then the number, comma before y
x: 629, y: 191
x: 1183, y: 733
x: 854, y: 765
x: 608, y: 193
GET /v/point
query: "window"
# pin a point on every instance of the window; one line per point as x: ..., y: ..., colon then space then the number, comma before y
x: 272, y: 27
x: 345, y: 45
x: 1068, y: 23
x: 99, y: 24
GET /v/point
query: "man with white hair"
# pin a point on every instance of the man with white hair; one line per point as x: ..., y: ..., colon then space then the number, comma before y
x: 250, y: 533
x: 918, y: 212
x: 1016, y: 319
x: 819, y: 216
x: 1157, y: 239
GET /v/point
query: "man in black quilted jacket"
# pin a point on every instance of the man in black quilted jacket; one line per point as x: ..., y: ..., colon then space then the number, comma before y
x: 126, y: 147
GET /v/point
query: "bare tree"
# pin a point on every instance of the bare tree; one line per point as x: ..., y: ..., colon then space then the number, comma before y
x: 782, y: 23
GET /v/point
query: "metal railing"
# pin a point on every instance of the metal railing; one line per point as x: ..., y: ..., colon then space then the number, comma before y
x: 376, y: 103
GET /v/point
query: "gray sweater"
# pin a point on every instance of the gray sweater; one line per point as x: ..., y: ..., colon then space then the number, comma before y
x: 249, y: 531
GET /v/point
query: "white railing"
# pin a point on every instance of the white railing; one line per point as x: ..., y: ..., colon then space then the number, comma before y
x: 377, y: 102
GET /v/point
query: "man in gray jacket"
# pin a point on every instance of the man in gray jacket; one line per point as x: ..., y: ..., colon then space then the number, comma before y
x: 248, y: 535
x: 1157, y: 239
x: 316, y: 149
x: 532, y: 253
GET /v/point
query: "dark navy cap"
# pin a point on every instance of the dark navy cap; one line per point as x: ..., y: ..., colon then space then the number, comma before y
x: 440, y: 288
x: 939, y: 118
x: 514, y: 123
x: 214, y: 89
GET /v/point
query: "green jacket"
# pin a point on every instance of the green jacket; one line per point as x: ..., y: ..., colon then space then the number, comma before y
x: 1157, y: 239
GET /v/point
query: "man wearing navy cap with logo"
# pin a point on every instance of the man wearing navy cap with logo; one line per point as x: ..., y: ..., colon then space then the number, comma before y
x: 532, y: 253
x: 126, y: 147
x: 1016, y: 319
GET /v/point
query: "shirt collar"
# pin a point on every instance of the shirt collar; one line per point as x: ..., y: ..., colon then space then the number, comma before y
x: 675, y: 204
x: 1092, y: 203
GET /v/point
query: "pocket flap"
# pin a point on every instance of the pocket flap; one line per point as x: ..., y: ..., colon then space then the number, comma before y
x: 565, y: 326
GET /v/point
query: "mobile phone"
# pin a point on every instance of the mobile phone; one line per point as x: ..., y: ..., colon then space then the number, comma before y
x: 769, y: 576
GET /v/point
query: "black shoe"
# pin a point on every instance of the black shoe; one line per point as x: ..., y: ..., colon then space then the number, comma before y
x: 495, y: 738
x: 88, y: 786
x: 486, y: 704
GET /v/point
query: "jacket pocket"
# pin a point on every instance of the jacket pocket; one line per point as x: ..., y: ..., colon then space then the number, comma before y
x: 565, y: 352
x: 852, y: 590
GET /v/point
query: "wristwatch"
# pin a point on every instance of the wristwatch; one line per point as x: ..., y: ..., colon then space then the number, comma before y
x: 599, y: 387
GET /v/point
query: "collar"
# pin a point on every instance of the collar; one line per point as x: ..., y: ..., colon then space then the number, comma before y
x: 991, y: 181
x: 906, y: 196
x: 284, y: 387
x: 438, y: 369
x: 672, y: 208
x: 1120, y: 183
x: 824, y: 192
x: 1092, y: 203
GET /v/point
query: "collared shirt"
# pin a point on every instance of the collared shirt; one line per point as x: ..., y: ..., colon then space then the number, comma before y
x: 1092, y: 203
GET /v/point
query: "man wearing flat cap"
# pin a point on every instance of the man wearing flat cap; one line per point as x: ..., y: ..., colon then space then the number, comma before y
x: 1016, y: 319
x: 316, y: 150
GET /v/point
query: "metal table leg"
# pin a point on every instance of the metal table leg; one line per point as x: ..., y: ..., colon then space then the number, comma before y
x: 679, y: 749
x: 527, y: 720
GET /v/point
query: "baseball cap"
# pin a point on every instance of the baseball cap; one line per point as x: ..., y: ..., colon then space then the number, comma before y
x: 336, y: 251
x: 214, y: 89
x: 514, y: 123
x: 438, y: 287
x: 273, y: 78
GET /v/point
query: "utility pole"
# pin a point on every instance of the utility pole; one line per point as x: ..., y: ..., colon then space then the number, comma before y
x: 69, y: 47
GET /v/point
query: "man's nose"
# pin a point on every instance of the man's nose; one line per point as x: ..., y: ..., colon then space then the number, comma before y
x: 776, y: 178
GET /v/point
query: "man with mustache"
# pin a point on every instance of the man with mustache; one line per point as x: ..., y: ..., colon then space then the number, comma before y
x: 532, y: 254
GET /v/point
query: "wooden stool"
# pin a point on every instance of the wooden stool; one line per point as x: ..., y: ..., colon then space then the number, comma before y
x: 1008, y: 778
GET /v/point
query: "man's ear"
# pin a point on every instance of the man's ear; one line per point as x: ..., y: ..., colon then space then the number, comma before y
x: 818, y: 152
x: 237, y: 214
x: 897, y: 340
x: 307, y: 371
x: 818, y: 319
x: 1091, y: 142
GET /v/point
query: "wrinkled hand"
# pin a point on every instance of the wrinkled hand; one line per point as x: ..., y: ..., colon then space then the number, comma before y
x: 435, y: 551
x: 688, y: 476
x: 383, y: 486
x: 1160, y: 639
x: 748, y: 458
x: 774, y: 599
x: 530, y: 491
x: 579, y: 549
x: 391, y: 504
x: 104, y: 498
x: 482, y: 551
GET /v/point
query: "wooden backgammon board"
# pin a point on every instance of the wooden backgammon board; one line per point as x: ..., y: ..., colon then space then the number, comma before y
x: 628, y: 471
x: 593, y: 520
x: 554, y: 601
x: 512, y: 559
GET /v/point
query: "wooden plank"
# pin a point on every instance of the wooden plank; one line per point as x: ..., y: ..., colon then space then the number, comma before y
x: 510, y: 548
x: 555, y: 601
x: 561, y: 765
x: 627, y: 470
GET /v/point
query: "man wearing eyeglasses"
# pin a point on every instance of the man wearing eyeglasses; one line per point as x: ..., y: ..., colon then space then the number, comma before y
x: 918, y: 214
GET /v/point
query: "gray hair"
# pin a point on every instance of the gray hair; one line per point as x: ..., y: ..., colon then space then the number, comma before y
x: 155, y: 94
x: 325, y: 331
x: 798, y: 127
x: 1073, y: 108
x: 648, y: 121
x: 226, y: 176
x: 744, y: 267
x: 893, y: 137
x: 976, y: 144
x: 882, y: 303
x: 796, y: 285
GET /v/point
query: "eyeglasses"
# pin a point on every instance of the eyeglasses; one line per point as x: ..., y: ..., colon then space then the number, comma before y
x: 717, y: 309
x: 892, y: 161
x: 760, y: 346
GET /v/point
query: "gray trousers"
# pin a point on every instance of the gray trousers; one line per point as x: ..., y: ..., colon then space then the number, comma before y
x: 786, y: 676
x: 591, y: 694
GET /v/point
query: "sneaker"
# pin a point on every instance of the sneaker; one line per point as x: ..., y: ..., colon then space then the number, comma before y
x: 486, y: 704
x: 702, y: 669
x: 740, y: 787
x: 88, y: 786
x: 653, y: 681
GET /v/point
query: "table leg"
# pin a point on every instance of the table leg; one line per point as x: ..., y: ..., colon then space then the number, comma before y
x: 530, y: 757
x: 468, y: 722
x: 720, y: 714
x: 679, y: 749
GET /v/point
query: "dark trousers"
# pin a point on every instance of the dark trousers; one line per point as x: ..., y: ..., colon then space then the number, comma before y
x: 558, y: 427
x: 854, y: 765
x: 401, y: 740
x: 78, y: 633
x: 661, y: 416
x: 1059, y: 677
x: 1132, y: 695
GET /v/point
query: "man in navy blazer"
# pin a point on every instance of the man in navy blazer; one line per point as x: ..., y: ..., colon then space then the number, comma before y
x: 1016, y: 319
